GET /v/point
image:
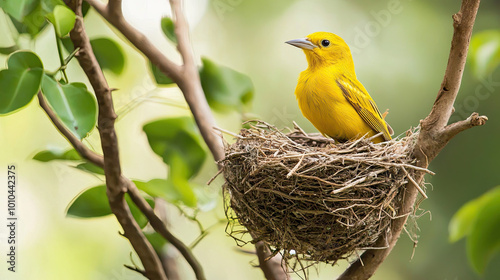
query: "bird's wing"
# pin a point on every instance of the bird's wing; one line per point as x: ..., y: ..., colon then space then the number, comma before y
x: 364, y: 105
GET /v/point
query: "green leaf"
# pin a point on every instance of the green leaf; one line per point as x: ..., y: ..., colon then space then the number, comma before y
x: 49, y: 155
x: 484, y: 52
x: 90, y: 167
x: 176, y: 140
x: 18, y: 9
x: 225, y: 89
x: 167, y: 26
x: 85, y: 8
x: 33, y: 23
x: 8, y: 44
x: 178, y: 176
x: 93, y: 202
x: 156, y: 240
x: 464, y: 219
x: 24, y: 60
x: 484, y: 239
x: 48, y: 6
x: 9, y: 50
x: 20, y: 82
x: 63, y: 20
x: 68, y: 44
x: 90, y: 203
x: 168, y: 190
x: 73, y: 104
x: 109, y: 54
x: 139, y: 217
x: 160, y: 78
x: 462, y: 222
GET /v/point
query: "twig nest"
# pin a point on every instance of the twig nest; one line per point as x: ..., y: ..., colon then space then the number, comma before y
x: 310, y: 198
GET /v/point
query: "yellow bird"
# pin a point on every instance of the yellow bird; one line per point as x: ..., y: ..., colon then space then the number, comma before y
x: 329, y: 94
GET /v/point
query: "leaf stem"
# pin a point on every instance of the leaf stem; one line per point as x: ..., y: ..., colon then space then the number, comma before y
x: 70, y: 56
x: 63, y: 63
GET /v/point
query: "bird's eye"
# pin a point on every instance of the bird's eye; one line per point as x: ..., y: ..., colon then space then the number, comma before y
x: 325, y: 43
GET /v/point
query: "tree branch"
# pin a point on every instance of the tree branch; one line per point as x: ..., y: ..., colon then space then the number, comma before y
x: 455, y: 128
x: 160, y: 227
x: 433, y: 136
x: 188, y: 80
x: 96, y: 159
x: 82, y: 150
x: 274, y: 268
x: 182, y: 34
x: 116, y: 185
x: 186, y: 76
x: 463, y: 22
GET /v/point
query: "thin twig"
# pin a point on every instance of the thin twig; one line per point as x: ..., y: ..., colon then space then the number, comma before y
x: 296, y: 167
x: 133, y: 268
x: 228, y: 132
x: 160, y: 227
x: 84, y: 152
x: 420, y: 190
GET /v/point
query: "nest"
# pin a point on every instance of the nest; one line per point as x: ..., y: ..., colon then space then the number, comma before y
x: 309, y: 197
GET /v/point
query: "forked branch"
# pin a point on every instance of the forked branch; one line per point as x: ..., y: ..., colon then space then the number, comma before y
x: 116, y: 185
x: 434, y: 136
x: 187, y: 78
x: 82, y: 150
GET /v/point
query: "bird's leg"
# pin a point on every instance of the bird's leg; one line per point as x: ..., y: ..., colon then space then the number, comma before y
x: 385, y: 114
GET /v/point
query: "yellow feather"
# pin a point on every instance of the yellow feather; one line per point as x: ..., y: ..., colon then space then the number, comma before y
x: 329, y: 94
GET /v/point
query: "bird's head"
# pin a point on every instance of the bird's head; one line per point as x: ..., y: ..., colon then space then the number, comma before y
x: 323, y: 48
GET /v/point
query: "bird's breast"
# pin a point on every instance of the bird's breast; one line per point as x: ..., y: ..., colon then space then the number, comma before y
x: 322, y: 102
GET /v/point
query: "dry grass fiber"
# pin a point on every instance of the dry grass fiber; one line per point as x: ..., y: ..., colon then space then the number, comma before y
x: 309, y: 198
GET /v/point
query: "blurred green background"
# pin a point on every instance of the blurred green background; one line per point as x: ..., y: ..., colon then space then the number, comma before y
x: 400, y: 50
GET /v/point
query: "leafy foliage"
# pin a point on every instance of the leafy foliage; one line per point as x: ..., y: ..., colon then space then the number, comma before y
x: 18, y: 9
x: 90, y: 203
x: 225, y: 89
x: 160, y: 78
x: 93, y: 203
x: 8, y: 50
x: 170, y: 191
x: 484, y: 52
x: 89, y: 167
x: 156, y: 240
x: 136, y: 213
x: 109, y: 54
x: 20, y: 81
x: 167, y: 26
x: 63, y: 20
x: 478, y: 220
x: 49, y: 155
x: 175, y: 138
x: 73, y: 104
x: 28, y: 16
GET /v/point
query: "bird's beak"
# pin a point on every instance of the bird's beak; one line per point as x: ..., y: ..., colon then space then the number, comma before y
x: 303, y: 43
